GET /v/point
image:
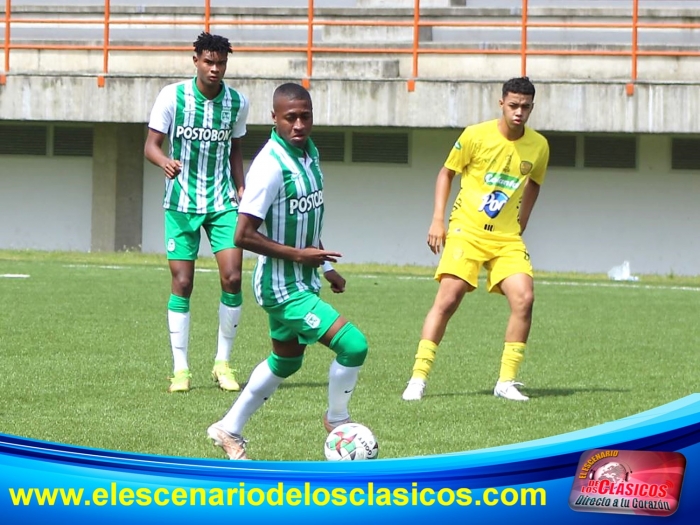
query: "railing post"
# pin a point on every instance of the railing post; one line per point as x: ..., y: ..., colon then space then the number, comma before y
x: 207, y: 15
x: 414, y: 52
x: 8, y: 10
x: 306, y: 81
x: 629, y: 89
x: 523, y: 41
x: 105, y: 47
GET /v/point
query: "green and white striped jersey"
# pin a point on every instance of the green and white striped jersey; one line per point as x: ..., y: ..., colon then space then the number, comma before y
x: 200, y: 132
x: 284, y: 187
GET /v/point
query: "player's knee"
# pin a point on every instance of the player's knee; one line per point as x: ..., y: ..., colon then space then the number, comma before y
x: 350, y: 345
x: 523, y: 302
x: 284, y: 366
x: 231, y: 281
x: 446, y: 306
x: 182, y: 284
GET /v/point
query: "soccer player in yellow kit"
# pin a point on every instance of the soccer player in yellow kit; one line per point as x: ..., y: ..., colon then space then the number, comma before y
x: 502, y: 165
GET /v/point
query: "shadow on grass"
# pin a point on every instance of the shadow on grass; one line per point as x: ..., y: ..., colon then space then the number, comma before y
x: 320, y: 384
x: 533, y: 393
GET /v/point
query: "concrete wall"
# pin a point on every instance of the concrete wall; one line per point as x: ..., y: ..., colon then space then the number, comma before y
x: 586, y: 220
x: 561, y: 106
x: 45, y: 203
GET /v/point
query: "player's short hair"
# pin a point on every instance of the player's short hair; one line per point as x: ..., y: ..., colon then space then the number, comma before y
x: 519, y: 85
x: 213, y: 43
x: 291, y: 91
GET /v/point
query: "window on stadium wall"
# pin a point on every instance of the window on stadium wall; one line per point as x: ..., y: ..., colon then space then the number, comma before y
x: 685, y: 153
x: 608, y: 151
x: 41, y: 139
x: 562, y: 150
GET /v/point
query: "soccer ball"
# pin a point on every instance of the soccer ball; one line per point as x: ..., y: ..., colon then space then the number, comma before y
x: 351, y: 442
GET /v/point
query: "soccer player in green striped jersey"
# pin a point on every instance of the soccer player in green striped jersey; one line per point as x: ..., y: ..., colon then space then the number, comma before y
x: 284, y: 197
x: 204, y: 120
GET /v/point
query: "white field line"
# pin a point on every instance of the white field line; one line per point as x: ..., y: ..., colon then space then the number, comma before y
x: 568, y: 283
x: 420, y: 278
x: 14, y: 276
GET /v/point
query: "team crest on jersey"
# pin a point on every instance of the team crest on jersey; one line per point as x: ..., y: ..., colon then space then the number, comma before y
x: 226, y: 117
x: 525, y: 167
x: 312, y: 320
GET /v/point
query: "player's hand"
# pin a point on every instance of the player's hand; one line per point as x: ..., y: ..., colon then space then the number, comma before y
x: 172, y: 168
x: 315, y: 257
x: 336, y: 280
x: 436, y: 236
x: 239, y: 192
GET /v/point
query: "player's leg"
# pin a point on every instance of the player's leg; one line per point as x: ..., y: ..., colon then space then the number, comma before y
x: 458, y: 273
x: 182, y: 244
x: 350, y: 346
x: 285, y: 359
x: 220, y: 228
x: 512, y: 273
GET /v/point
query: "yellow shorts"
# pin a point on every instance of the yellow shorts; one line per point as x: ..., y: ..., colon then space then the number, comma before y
x: 464, y: 257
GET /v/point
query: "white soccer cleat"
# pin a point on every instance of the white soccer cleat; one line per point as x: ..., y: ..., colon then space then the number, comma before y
x: 414, y: 390
x: 509, y: 390
x: 232, y: 444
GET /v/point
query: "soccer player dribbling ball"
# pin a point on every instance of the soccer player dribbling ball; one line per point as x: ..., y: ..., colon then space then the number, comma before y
x: 204, y: 120
x: 502, y: 165
x: 284, y: 194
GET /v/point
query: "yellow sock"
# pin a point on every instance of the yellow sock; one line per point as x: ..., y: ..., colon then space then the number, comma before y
x: 424, y: 359
x: 513, y: 355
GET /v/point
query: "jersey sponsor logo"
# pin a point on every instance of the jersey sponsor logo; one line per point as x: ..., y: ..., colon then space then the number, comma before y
x: 307, y: 203
x: 493, y: 203
x: 171, y: 245
x: 203, y: 134
x: 458, y: 145
x: 502, y: 180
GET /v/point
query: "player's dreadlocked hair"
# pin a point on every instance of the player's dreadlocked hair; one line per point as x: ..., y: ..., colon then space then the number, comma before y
x: 214, y: 43
x: 520, y: 85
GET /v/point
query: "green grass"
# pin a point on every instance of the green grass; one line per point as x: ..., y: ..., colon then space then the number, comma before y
x: 84, y: 359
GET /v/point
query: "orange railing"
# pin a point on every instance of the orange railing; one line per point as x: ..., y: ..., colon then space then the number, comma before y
x: 310, y: 49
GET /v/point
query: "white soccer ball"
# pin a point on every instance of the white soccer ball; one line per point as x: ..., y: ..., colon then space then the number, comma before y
x: 351, y: 442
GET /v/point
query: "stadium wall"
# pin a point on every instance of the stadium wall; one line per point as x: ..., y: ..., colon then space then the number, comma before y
x: 587, y: 220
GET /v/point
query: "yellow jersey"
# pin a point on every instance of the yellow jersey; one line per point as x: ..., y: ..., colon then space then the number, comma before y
x: 493, y: 171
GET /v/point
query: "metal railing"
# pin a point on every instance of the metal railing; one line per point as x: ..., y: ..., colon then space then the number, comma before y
x: 310, y: 49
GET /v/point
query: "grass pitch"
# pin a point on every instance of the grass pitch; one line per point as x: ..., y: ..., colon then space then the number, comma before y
x: 85, y: 359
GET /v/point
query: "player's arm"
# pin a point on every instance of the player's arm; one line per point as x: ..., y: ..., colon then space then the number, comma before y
x: 249, y: 238
x: 153, y: 150
x: 336, y: 280
x: 162, y: 116
x: 530, y: 194
x: 236, y: 160
x: 443, y: 186
x: 236, y: 156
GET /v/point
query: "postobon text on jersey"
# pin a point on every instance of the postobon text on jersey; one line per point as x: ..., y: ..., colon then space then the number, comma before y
x: 304, y: 204
x: 205, y: 134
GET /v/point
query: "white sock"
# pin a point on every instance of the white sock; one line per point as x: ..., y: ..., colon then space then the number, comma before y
x: 261, y: 385
x: 228, y: 326
x: 341, y: 383
x: 179, y: 326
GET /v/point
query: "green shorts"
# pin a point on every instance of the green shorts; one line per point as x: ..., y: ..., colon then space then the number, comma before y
x: 183, y: 232
x: 304, y: 317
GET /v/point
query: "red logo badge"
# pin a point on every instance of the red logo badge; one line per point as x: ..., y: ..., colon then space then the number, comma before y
x: 628, y: 482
